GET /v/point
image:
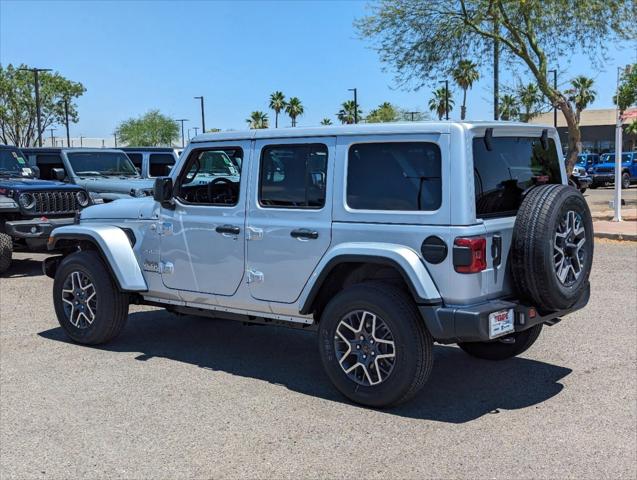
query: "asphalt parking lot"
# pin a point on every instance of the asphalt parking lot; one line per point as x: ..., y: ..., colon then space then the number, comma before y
x: 178, y: 397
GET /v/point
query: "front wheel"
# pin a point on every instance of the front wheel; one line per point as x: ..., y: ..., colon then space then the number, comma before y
x: 6, y: 252
x: 88, y: 304
x: 625, y: 180
x: 512, y: 345
x: 374, y: 345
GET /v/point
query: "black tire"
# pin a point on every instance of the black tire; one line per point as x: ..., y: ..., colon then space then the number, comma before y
x: 539, y: 230
x: 109, y: 306
x: 6, y: 252
x: 413, y: 353
x: 593, y: 186
x: 625, y: 180
x: 497, y: 350
x: 582, y: 190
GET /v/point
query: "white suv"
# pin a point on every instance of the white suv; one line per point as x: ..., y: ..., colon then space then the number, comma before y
x: 384, y: 238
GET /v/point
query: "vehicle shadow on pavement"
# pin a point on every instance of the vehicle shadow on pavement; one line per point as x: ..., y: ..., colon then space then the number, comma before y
x: 23, y: 267
x: 460, y: 389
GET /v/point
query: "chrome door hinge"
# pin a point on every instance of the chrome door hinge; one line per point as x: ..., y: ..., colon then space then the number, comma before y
x: 253, y: 233
x: 255, y: 276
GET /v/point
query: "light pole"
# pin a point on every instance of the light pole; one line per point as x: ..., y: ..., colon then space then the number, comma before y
x: 446, y: 82
x: 554, y: 88
x: 52, y: 137
x: 66, y: 121
x: 618, y: 152
x: 182, y: 120
x: 115, y: 137
x: 36, y: 80
x: 355, y: 103
x: 195, y: 129
x: 203, y: 117
x: 412, y: 115
x: 81, y: 141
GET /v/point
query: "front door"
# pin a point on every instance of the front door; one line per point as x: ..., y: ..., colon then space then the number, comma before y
x: 290, y: 214
x: 202, y: 238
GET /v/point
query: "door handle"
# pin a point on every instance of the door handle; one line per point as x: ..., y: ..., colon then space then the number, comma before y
x: 304, y: 233
x: 228, y: 229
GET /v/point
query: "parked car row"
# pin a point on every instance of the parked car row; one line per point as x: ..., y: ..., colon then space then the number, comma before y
x: 601, y: 168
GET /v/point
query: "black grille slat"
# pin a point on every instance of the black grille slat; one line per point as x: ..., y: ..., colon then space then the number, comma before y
x: 55, y: 202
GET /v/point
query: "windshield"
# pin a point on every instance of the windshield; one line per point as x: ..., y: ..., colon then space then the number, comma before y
x: 12, y: 161
x: 101, y: 163
x: 610, y: 157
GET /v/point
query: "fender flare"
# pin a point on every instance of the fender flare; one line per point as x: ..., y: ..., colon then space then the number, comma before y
x: 116, y: 249
x: 404, y: 259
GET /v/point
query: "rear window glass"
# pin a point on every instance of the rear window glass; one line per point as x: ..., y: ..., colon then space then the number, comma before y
x: 513, y: 165
x: 160, y: 164
x: 394, y: 176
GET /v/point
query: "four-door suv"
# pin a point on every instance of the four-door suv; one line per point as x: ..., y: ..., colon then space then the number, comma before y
x: 108, y: 174
x: 603, y: 173
x: 384, y: 238
x: 30, y: 208
x: 152, y: 162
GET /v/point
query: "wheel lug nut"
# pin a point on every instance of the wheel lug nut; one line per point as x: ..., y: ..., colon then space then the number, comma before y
x: 373, y: 353
x: 358, y: 347
x: 364, y: 356
x: 361, y: 337
x: 371, y: 341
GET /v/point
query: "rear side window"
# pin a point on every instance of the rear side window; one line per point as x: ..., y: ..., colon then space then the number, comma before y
x: 394, y: 176
x: 293, y: 176
x: 136, y: 158
x: 160, y: 164
x: 513, y: 165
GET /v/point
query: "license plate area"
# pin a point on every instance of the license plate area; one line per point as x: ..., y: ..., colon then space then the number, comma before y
x: 501, y: 323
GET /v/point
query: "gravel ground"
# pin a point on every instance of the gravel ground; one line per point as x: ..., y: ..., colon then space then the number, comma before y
x: 184, y: 397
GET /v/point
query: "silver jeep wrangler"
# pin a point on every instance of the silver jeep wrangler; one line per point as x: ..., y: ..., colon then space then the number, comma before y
x: 383, y: 238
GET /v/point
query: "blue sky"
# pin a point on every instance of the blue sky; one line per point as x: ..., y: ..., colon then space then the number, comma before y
x: 133, y: 56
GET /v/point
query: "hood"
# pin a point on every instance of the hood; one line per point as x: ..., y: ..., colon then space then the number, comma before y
x: 115, y: 184
x: 143, y: 208
x: 26, y: 184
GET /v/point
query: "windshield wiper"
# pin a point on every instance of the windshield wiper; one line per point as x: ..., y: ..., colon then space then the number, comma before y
x: 90, y: 172
x: 115, y: 172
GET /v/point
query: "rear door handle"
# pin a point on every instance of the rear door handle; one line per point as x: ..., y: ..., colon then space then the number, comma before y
x: 304, y: 233
x: 231, y: 229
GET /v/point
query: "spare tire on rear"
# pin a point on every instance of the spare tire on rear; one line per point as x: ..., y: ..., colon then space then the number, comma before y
x: 552, y: 247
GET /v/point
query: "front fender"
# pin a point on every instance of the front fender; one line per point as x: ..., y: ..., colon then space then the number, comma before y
x: 403, y: 258
x: 116, y: 250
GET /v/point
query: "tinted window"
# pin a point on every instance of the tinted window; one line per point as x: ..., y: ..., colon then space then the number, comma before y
x: 46, y: 162
x: 293, y: 176
x: 212, y: 177
x: 394, y: 176
x: 136, y: 158
x: 101, y: 163
x: 12, y: 161
x: 512, y: 165
x: 160, y: 164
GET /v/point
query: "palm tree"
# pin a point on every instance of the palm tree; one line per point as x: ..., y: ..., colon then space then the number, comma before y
x: 346, y: 113
x: 438, y: 103
x: 326, y: 121
x: 465, y: 73
x: 294, y: 108
x: 277, y: 103
x: 258, y: 119
x: 581, y: 94
x: 509, y: 108
x: 529, y: 97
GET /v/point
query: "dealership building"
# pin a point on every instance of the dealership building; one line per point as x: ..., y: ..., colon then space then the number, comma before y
x: 597, y: 128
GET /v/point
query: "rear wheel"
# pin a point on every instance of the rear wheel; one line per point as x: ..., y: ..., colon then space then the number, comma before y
x: 374, y: 346
x: 6, y: 252
x: 88, y: 305
x: 501, y: 349
x: 625, y: 180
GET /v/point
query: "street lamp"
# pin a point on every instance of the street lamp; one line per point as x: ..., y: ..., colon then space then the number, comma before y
x: 52, y: 137
x: 355, y: 103
x: 195, y: 129
x: 182, y: 120
x: 203, y: 117
x: 81, y: 141
x: 554, y: 88
x: 36, y: 79
x: 66, y: 121
x: 412, y: 115
x: 446, y: 82
x: 115, y: 137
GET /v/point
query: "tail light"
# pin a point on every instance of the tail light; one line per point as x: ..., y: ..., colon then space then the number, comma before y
x: 470, y: 254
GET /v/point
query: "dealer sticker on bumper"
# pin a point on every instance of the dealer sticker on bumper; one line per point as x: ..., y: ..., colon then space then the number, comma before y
x: 501, y: 323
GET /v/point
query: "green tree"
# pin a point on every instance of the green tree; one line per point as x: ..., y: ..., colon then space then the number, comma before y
x: 277, y: 103
x: 385, y: 112
x: 326, y: 121
x: 581, y: 94
x: 18, y: 118
x: 294, y: 109
x: 529, y: 97
x: 150, y: 130
x: 465, y: 74
x: 627, y: 92
x: 346, y: 113
x: 509, y: 107
x: 421, y: 40
x: 438, y: 103
x: 257, y: 120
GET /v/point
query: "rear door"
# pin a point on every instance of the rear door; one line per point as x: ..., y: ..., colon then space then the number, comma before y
x: 290, y: 214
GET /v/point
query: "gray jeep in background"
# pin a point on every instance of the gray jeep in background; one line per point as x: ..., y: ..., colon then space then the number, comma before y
x: 108, y: 174
x: 383, y: 238
x: 152, y: 162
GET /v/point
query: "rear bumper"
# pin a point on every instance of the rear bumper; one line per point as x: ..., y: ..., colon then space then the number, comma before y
x: 35, y: 228
x: 471, y: 324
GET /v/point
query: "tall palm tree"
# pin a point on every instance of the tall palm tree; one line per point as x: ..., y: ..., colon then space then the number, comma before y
x: 277, y: 103
x: 465, y: 73
x: 581, y: 94
x: 258, y: 119
x: 326, y: 121
x: 438, y: 102
x: 529, y: 96
x: 509, y: 108
x: 346, y: 113
x: 294, y: 108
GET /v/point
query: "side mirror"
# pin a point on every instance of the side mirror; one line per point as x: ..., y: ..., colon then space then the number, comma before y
x: 36, y: 170
x: 163, y: 191
x: 58, y: 173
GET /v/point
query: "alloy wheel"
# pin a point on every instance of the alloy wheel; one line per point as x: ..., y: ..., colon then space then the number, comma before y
x: 80, y: 299
x: 569, y: 251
